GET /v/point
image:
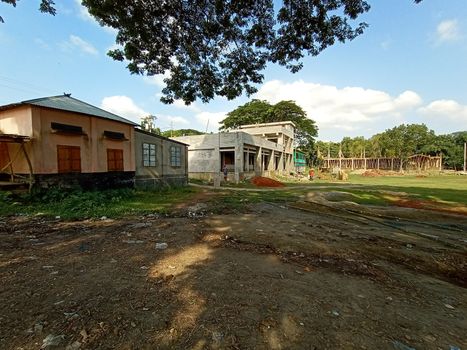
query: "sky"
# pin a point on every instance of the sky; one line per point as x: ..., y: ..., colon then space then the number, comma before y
x: 410, y: 66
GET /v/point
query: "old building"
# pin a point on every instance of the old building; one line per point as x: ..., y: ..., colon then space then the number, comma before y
x: 60, y: 140
x: 259, y: 149
x: 160, y: 162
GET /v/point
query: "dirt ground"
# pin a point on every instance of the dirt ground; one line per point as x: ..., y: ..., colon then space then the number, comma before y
x: 308, y: 275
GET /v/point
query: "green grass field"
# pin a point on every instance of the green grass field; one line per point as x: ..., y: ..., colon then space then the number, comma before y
x: 439, y: 188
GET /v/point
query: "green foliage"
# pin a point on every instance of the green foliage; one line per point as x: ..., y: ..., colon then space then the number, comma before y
x: 181, y: 132
x: 76, y: 204
x: 257, y: 111
x: 214, y: 48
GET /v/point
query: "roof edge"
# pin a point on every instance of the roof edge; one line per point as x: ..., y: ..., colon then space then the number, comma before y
x: 141, y: 131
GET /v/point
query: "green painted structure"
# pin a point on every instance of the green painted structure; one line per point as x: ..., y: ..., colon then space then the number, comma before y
x: 299, y: 161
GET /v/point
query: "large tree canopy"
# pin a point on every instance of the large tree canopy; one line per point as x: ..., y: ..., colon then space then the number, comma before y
x: 257, y: 111
x: 220, y: 47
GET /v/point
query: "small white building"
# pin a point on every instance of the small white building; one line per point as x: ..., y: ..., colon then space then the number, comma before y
x: 259, y: 149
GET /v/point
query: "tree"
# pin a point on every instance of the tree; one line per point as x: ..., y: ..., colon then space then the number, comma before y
x: 46, y: 6
x: 220, y: 47
x: 257, y: 111
x: 253, y: 112
x: 148, y: 123
x: 181, y: 132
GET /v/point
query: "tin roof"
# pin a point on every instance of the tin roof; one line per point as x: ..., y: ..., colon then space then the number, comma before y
x: 71, y: 104
x: 159, y: 136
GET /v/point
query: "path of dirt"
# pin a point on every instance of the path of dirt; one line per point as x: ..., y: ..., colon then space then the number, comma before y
x: 271, y: 277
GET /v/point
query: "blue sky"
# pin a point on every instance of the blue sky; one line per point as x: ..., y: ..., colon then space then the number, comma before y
x: 409, y: 67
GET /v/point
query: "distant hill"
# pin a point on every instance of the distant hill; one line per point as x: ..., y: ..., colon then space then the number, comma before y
x: 181, y: 132
x: 457, y: 133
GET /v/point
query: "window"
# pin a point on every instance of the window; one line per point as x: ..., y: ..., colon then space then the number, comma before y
x: 118, y: 136
x: 175, y: 156
x: 149, y: 154
x: 69, y: 159
x: 114, y: 159
x: 66, y: 129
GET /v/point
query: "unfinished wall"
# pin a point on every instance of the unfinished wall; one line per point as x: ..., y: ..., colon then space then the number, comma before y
x: 204, y: 153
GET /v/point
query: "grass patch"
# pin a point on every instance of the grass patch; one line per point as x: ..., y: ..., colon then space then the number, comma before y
x: 439, y: 188
x: 238, y: 200
x: 443, y: 189
x: 94, y: 204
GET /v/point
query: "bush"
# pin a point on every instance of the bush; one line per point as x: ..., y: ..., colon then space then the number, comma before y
x: 77, y: 203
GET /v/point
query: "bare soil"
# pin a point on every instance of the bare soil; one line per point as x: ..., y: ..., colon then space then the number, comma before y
x: 310, y: 275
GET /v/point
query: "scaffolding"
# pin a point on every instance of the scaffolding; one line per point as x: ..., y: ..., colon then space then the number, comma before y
x: 415, y: 162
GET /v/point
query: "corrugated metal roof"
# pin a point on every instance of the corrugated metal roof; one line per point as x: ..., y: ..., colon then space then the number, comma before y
x: 68, y: 103
x: 159, y: 136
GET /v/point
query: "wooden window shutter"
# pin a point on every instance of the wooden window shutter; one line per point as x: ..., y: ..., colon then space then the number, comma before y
x: 69, y: 159
x: 114, y: 159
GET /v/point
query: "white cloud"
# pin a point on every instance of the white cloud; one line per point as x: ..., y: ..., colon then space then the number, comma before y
x: 193, y: 107
x: 336, y: 109
x: 123, y: 106
x: 84, y: 14
x: 386, y: 44
x: 168, y: 122
x: 75, y: 42
x: 446, y: 109
x: 448, y: 31
x: 210, y: 120
x: 157, y: 80
x: 41, y: 43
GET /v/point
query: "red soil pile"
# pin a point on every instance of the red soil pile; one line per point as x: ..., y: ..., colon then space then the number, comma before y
x: 266, y: 182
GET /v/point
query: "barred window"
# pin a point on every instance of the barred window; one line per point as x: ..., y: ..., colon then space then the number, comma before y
x: 149, y: 154
x: 175, y: 156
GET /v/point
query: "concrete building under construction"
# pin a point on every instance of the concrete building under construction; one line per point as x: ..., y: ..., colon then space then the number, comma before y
x: 259, y: 149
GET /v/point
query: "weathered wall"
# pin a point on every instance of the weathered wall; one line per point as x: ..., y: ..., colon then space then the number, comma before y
x: 163, y: 174
x: 43, y: 147
x: 93, y: 146
x: 206, y: 160
x: 16, y: 121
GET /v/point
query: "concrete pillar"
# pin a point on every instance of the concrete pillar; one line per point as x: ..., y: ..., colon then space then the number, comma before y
x: 280, y: 166
x: 289, y: 165
x: 239, y: 158
x: 258, y: 161
x: 270, y: 163
x: 217, y: 155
